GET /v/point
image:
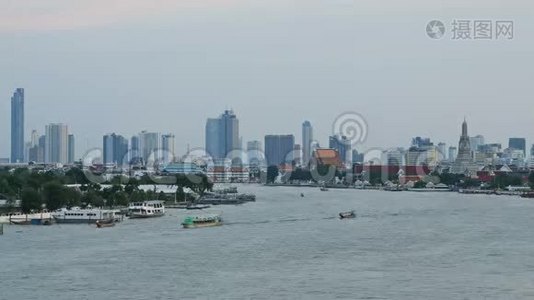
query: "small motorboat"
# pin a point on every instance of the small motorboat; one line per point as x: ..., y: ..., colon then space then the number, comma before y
x: 347, y: 215
x: 105, y: 223
x: 324, y: 189
x: 301, y: 195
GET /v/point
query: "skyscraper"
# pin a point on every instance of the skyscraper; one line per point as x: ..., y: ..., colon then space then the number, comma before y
x: 71, y: 148
x: 17, y: 126
x: 453, y: 151
x: 149, y: 145
x: 222, y: 135
x: 115, y: 149
x: 307, y: 138
x: 476, y: 142
x: 278, y: 149
x: 254, y: 146
x: 442, y: 147
x: 167, y: 145
x: 518, y: 144
x: 56, y: 143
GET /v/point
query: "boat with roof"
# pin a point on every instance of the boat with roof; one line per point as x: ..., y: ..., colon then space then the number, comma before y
x: 208, y: 220
x: 146, y: 209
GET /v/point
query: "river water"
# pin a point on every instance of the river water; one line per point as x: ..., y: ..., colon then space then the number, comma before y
x: 402, y: 245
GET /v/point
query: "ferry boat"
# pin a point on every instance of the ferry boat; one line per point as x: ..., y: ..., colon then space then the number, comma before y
x: 146, y: 209
x: 202, y: 221
x: 77, y: 215
x: 20, y: 218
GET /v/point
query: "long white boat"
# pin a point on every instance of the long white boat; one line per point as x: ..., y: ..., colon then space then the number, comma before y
x: 146, y: 209
x: 19, y: 218
x: 78, y: 215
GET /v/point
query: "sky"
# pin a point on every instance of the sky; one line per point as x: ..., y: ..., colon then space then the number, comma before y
x: 166, y: 65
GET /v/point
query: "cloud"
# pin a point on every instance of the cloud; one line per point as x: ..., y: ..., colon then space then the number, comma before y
x: 37, y: 15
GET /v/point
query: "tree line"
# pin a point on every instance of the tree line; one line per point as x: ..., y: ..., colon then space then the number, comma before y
x: 37, y: 189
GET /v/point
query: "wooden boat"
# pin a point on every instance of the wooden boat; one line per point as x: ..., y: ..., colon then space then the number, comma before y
x: 105, y: 223
x: 347, y: 215
x: 527, y: 195
x: 324, y: 189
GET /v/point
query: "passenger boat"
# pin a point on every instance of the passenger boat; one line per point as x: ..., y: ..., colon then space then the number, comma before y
x: 347, y: 215
x: 146, y: 209
x: 202, y: 221
x: 105, y: 223
x: 20, y: 218
x: 196, y: 206
x: 77, y: 215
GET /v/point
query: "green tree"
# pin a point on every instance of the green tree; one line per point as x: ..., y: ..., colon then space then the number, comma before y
x: 121, y: 199
x: 54, y: 195
x: 30, y: 200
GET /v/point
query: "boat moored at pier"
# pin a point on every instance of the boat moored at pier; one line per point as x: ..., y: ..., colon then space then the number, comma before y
x: 77, y: 215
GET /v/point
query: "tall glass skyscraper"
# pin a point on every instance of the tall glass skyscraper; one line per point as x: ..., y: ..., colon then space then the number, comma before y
x: 278, y: 149
x: 70, y: 149
x: 222, y: 135
x: 115, y: 149
x: 307, y: 138
x: 17, y: 126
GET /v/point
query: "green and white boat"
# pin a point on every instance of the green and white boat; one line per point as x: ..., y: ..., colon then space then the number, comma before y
x: 202, y: 221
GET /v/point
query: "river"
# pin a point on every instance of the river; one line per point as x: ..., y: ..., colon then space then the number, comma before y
x: 402, y: 245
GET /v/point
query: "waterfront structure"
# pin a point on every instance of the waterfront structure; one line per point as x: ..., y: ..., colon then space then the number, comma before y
x: 71, y: 149
x: 343, y: 146
x: 278, y: 149
x: 182, y: 168
x: 307, y: 140
x: 17, y: 126
x: 56, y: 143
x: 167, y: 146
x: 115, y: 148
x: 222, y: 135
x: 518, y: 144
x: 464, y: 162
x: 328, y: 157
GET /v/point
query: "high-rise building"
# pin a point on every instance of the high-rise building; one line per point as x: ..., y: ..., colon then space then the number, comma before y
x: 442, y: 148
x: 422, y: 143
x: 357, y: 157
x: 222, y: 135
x: 297, y: 159
x: 518, y: 144
x: 453, y: 151
x: 135, y: 150
x: 278, y: 149
x: 343, y: 147
x: 531, y: 163
x: 56, y: 143
x: 167, y: 146
x: 71, y: 149
x: 254, y: 146
x: 464, y: 160
x: 17, y: 126
x: 115, y: 149
x: 307, y: 139
x: 150, y: 143
x: 394, y: 157
x: 475, y: 142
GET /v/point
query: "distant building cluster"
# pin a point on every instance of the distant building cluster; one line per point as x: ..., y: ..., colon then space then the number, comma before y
x: 226, y: 159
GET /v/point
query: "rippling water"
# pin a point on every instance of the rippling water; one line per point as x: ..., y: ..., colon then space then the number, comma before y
x: 402, y: 246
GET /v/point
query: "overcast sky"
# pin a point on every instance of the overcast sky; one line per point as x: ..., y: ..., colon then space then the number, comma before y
x: 166, y: 65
